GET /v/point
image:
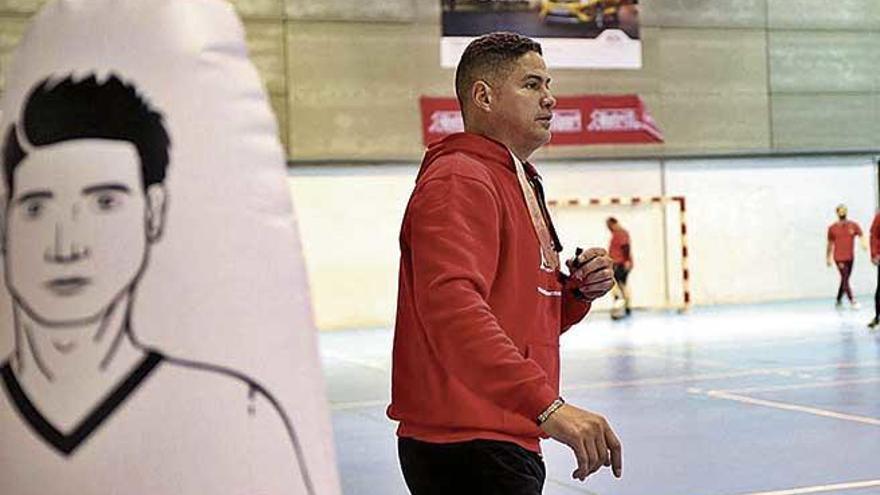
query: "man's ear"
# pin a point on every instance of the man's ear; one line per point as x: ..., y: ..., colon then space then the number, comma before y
x: 481, y: 95
x: 156, y: 202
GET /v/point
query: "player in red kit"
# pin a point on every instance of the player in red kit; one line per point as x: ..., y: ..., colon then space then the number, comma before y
x: 875, y: 258
x: 621, y: 255
x: 840, y: 252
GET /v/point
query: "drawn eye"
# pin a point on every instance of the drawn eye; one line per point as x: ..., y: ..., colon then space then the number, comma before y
x: 107, y: 201
x: 34, y: 208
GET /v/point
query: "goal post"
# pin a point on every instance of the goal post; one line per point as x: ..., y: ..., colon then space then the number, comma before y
x: 658, y: 230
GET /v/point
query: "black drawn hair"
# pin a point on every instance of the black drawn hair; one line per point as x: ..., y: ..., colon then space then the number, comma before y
x: 88, y: 109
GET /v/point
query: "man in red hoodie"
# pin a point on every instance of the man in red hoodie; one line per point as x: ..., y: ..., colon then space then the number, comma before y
x: 482, y: 301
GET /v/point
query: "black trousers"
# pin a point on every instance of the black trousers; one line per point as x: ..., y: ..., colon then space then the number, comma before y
x: 877, y: 296
x: 479, y: 467
x: 845, y: 269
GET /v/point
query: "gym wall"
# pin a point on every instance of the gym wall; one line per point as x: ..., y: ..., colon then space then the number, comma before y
x: 756, y: 228
x: 718, y: 75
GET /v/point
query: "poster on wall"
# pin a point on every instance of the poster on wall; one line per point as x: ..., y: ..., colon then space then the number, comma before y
x: 580, y: 34
x: 577, y: 120
x: 155, y: 325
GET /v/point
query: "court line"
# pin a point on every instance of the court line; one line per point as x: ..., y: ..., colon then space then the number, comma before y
x: 363, y: 404
x: 573, y: 489
x: 373, y: 365
x: 794, y: 407
x: 822, y: 488
x: 798, y: 386
x: 660, y: 355
x: 347, y: 405
x: 671, y: 380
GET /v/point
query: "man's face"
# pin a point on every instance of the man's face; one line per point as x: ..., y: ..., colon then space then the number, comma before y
x: 841, y: 212
x: 75, y: 229
x: 524, y: 104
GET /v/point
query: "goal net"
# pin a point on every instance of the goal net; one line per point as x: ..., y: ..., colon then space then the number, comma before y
x: 657, y: 226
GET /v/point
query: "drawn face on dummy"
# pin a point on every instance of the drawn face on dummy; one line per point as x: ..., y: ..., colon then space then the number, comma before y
x: 78, y: 228
x: 82, y: 207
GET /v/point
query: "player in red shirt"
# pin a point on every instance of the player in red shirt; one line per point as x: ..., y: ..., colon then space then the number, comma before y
x: 841, y: 236
x: 621, y: 255
x: 875, y: 258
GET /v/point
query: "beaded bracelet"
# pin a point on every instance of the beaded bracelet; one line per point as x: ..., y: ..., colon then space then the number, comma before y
x: 556, y: 404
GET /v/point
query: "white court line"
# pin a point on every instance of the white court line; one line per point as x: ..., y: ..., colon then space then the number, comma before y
x: 822, y: 488
x: 665, y: 357
x: 339, y: 406
x: 374, y: 365
x: 794, y: 407
x: 716, y: 376
x: 363, y: 404
x: 798, y: 386
x: 568, y: 487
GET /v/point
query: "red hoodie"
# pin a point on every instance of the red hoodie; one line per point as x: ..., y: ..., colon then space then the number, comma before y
x: 476, y: 342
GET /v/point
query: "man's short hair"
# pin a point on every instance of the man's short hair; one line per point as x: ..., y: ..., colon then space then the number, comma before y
x: 611, y: 220
x: 490, y: 56
x: 87, y: 109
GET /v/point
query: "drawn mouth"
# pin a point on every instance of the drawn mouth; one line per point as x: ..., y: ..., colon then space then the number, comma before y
x: 67, y: 286
x: 544, y: 120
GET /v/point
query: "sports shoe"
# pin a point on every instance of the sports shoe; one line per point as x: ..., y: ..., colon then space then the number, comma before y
x: 873, y: 324
x: 854, y: 305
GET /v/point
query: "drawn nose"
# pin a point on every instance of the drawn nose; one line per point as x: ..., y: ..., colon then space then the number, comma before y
x: 64, y: 248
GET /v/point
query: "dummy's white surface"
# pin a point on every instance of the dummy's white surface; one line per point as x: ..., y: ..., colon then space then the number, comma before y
x: 224, y: 285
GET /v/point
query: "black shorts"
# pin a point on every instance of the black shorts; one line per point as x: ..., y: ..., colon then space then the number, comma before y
x: 620, y: 274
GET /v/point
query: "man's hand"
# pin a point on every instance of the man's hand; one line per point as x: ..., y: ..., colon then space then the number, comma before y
x: 590, y: 437
x: 876, y: 260
x: 829, y: 261
x: 591, y: 273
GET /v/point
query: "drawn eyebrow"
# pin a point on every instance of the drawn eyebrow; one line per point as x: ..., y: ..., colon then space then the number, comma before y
x: 110, y: 186
x: 38, y: 194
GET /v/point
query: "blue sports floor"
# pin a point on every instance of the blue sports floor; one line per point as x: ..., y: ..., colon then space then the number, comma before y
x: 780, y: 399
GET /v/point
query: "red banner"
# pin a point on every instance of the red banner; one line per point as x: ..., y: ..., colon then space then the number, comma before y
x: 577, y: 120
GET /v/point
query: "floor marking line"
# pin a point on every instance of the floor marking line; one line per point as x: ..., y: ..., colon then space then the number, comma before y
x: 679, y: 359
x: 794, y: 407
x: 798, y: 386
x: 822, y: 488
x: 671, y: 380
x: 363, y: 404
x: 573, y: 489
x: 350, y: 360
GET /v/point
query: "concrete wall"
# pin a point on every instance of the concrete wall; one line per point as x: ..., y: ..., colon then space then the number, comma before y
x: 718, y: 75
x: 756, y: 228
